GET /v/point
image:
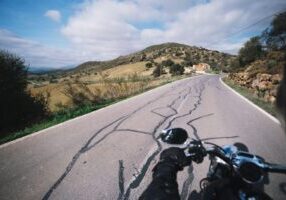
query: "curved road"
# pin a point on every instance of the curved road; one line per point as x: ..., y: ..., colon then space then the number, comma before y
x: 109, y: 153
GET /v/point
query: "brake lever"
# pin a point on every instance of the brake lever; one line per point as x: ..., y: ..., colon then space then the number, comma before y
x: 196, y: 151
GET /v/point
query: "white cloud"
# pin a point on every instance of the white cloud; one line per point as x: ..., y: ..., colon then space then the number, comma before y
x: 38, y: 55
x: 104, y: 29
x: 228, y: 47
x: 54, y: 15
x: 110, y: 28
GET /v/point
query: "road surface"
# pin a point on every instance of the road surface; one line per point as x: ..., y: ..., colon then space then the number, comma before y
x: 108, y: 154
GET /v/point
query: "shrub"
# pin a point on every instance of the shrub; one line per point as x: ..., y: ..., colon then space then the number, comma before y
x: 167, y: 63
x: 271, y: 64
x: 17, y: 107
x: 178, y: 54
x: 80, y: 94
x: 177, y: 69
x: 251, y: 51
x: 119, y: 80
x: 148, y: 65
x: 234, y: 65
x: 134, y: 77
x: 54, y: 81
x: 187, y: 62
x: 158, y: 71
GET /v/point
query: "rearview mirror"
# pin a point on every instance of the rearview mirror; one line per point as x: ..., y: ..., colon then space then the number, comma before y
x: 174, y: 136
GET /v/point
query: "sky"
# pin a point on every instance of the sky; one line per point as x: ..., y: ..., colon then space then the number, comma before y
x: 63, y: 33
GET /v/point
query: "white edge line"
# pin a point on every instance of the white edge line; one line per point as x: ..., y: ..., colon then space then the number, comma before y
x: 251, y: 103
x: 83, y: 116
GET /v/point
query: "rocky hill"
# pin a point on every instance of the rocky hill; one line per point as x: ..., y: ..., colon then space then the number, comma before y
x: 158, y: 53
x: 137, y: 64
x: 124, y: 75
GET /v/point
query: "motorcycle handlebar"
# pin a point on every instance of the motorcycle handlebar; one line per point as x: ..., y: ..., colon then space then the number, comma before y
x: 216, y: 152
x: 272, y: 168
x: 202, y: 151
x: 275, y: 168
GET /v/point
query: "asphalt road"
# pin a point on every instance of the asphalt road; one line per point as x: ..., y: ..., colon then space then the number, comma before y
x: 108, y: 154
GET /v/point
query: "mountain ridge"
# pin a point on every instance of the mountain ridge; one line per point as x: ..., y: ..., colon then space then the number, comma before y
x: 155, y: 54
x: 149, y: 54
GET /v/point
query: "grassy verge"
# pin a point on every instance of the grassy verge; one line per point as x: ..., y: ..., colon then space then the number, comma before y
x: 71, y: 113
x: 268, y: 107
x: 212, y: 71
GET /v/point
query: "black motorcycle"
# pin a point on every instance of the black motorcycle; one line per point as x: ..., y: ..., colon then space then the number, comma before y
x: 233, y: 172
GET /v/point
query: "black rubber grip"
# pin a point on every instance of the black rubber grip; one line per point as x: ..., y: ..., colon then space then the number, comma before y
x: 275, y: 168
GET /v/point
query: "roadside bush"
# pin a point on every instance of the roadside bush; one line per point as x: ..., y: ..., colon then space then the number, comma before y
x: 251, y: 51
x: 148, y: 65
x: 119, y: 80
x: 18, y: 108
x: 234, y: 65
x: 177, y: 69
x: 158, y: 71
x: 271, y: 64
x: 80, y: 94
x: 134, y: 77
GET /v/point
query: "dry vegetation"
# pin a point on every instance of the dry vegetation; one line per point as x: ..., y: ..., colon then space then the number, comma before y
x: 96, y: 81
x: 119, y: 82
x: 96, y: 84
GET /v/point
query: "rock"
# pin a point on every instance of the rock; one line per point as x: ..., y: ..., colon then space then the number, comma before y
x: 269, y: 98
x: 131, y: 59
x: 255, y: 84
x: 246, y: 76
x: 256, y: 93
x: 142, y: 57
x: 273, y: 91
x: 264, y: 85
x: 276, y: 78
x: 264, y: 77
x: 272, y: 99
x: 249, y: 68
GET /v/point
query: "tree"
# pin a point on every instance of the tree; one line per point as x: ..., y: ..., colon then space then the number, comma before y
x: 158, y: 71
x: 188, y: 61
x: 251, y: 51
x: 17, y: 107
x: 148, y: 65
x: 177, y: 69
x: 234, y: 65
x: 275, y: 35
x: 167, y: 63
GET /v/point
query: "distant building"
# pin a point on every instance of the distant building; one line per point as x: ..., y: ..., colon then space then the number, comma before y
x: 201, y: 67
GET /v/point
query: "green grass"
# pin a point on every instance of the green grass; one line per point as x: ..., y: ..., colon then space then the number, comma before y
x: 268, y: 107
x: 213, y: 71
x: 56, y: 118
x: 67, y: 114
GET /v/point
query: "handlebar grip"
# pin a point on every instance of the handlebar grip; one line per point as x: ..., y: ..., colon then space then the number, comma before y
x: 275, y: 168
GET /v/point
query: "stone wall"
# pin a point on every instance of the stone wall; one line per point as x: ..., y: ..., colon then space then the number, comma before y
x: 262, y: 85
